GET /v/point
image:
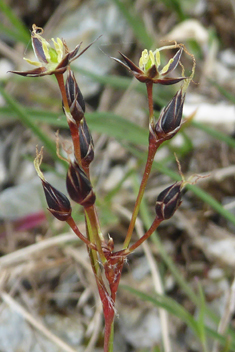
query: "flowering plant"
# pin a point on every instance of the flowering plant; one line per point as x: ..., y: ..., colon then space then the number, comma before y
x: 56, y: 60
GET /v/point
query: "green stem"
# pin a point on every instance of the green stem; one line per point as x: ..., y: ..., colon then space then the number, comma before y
x: 28, y: 122
x: 94, y: 228
x: 94, y: 259
x: 111, y: 338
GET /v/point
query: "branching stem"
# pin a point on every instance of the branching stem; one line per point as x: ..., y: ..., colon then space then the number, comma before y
x: 76, y: 230
x: 153, y: 146
x: 151, y: 153
x: 152, y: 228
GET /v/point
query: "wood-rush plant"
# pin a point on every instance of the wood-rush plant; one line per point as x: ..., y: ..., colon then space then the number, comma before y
x: 56, y: 60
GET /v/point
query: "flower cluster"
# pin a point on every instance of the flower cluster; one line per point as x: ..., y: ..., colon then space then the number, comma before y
x: 50, y: 60
x: 149, y: 66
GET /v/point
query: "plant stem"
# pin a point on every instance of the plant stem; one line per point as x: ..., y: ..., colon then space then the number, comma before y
x: 108, y: 333
x: 149, y: 86
x: 72, y: 124
x: 94, y: 228
x: 151, y: 153
x: 75, y: 229
x: 92, y: 253
x: 152, y: 228
x: 107, y: 304
x: 153, y: 146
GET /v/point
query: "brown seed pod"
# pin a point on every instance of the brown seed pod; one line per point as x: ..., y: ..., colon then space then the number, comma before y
x: 79, y: 186
x: 75, y: 97
x: 58, y: 203
x: 170, y: 118
x: 168, y: 201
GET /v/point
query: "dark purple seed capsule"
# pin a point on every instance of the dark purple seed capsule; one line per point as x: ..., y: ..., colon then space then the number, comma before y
x: 86, y: 143
x: 58, y: 203
x: 79, y: 186
x: 170, y: 118
x: 75, y: 98
x: 168, y: 201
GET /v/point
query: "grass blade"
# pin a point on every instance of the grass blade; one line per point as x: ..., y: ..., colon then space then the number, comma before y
x: 135, y: 22
x: 215, y: 133
x: 28, y: 122
x: 167, y: 303
x: 223, y: 91
x: 19, y: 31
x: 176, y: 309
x: 102, y: 122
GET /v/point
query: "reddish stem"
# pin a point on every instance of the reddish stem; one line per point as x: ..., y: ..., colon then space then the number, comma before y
x: 108, y: 331
x: 60, y: 80
x: 75, y: 229
x: 152, y: 228
x: 109, y: 312
x: 149, y: 86
x: 153, y: 145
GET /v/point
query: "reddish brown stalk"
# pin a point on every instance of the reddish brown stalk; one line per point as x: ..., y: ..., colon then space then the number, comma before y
x: 119, y: 256
x: 72, y: 124
x: 107, y: 302
x: 75, y: 229
x: 108, y: 331
x: 149, y: 86
x: 152, y: 228
x: 109, y: 313
x: 153, y: 145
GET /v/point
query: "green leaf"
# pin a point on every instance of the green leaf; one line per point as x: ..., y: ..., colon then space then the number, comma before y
x: 179, y: 311
x: 223, y: 91
x: 118, y: 127
x: 18, y: 30
x: 201, y: 317
x: 28, y: 122
x: 167, y: 303
x: 215, y: 133
x: 102, y: 122
x: 135, y: 22
x: 176, y: 5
